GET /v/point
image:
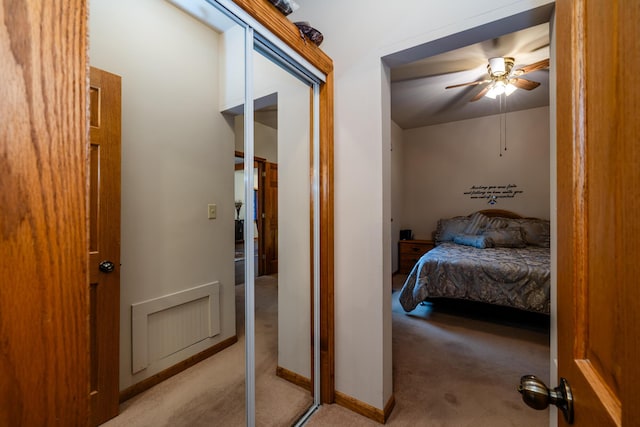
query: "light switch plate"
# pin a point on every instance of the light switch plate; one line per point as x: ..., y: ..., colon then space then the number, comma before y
x: 211, y: 211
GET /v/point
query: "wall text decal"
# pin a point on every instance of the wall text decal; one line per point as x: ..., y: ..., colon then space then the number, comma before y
x: 493, y: 192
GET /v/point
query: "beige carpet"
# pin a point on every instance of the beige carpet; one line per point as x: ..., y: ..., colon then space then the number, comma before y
x: 458, y: 365
x: 212, y: 393
x: 454, y: 365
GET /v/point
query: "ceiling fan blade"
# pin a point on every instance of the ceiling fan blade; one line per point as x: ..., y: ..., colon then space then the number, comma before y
x: 480, y: 94
x: 540, y: 65
x: 524, y: 84
x: 479, y: 82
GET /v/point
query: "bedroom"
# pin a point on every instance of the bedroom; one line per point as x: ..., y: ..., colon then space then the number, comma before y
x: 456, y: 150
x: 449, y: 155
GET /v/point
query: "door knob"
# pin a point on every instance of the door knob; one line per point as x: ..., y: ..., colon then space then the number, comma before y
x: 537, y: 395
x: 106, y: 266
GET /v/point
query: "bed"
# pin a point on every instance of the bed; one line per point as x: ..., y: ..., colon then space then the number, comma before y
x: 491, y: 256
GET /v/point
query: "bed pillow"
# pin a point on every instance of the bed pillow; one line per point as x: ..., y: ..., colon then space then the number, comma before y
x: 475, y: 240
x: 496, y: 222
x: 536, y: 232
x: 477, y: 222
x: 449, y: 227
x: 505, y: 237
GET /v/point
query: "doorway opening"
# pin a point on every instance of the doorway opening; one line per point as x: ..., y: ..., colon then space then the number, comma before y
x: 256, y: 218
x: 433, y: 152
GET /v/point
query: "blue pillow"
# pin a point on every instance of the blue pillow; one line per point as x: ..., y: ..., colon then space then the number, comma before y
x: 477, y: 241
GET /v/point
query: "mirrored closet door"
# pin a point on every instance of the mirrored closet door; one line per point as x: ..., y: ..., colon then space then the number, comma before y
x: 281, y: 135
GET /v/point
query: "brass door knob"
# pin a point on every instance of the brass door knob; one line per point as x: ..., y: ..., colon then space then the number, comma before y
x: 536, y: 394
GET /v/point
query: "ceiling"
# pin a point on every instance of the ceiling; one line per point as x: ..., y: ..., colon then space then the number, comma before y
x: 419, y: 97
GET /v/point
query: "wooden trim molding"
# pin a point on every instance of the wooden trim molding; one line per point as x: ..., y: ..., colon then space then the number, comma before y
x: 255, y: 158
x: 358, y: 406
x: 294, y: 378
x: 265, y: 13
x: 146, y: 384
x: 327, y: 335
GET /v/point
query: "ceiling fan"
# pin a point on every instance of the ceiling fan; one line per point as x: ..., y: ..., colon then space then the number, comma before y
x: 504, y: 79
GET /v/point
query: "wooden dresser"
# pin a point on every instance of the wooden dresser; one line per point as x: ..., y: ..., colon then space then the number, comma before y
x: 410, y: 251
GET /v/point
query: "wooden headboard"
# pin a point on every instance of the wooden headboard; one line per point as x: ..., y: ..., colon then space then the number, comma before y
x: 499, y: 212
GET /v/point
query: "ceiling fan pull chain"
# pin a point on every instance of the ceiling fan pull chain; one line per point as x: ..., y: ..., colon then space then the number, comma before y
x: 505, y: 122
x: 500, y: 126
x: 500, y: 98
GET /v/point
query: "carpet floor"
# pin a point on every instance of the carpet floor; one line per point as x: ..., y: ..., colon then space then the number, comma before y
x: 454, y: 365
x: 457, y: 365
x: 212, y: 393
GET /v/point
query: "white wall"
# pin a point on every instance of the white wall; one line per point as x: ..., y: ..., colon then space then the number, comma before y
x: 267, y: 78
x: 441, y: 163
x: 397, y: 191
x: 357, y: 34
x: 294, y: 231
x: 231, y: 81
x: 386, y: 130
x: 177, y: 156
x: 265, y: 139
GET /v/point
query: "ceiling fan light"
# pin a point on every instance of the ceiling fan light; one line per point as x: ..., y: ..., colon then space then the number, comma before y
x: 491, y: 93
x: 498, y: 88
x: 497, y: 66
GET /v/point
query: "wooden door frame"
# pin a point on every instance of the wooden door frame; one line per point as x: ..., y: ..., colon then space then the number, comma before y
x: 268, y: 214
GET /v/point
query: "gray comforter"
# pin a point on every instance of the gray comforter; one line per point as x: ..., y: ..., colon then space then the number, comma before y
x: 505, y: 276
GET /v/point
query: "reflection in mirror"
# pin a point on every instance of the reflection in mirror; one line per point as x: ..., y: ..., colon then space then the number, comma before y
x: 178, y: 297
x: 240, y: 204
x: 281, y: 224
x: 283, y: 295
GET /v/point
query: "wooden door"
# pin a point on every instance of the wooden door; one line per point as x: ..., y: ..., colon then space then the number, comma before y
x: 598, y: 45
x: 258, y: 167
x: 43, y: 229
x: 104, y: 244
x: 271, y: 217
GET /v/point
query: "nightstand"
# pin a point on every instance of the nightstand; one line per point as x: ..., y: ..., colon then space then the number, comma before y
x: 410, y: 251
